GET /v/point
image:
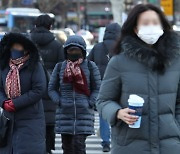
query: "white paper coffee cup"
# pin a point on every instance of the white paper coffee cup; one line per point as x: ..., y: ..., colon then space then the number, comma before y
x: 136, y: 103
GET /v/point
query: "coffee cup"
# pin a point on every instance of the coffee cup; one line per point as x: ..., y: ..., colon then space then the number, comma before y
x: 136, y: 103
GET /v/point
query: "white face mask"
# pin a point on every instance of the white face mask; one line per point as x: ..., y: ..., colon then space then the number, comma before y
x: 150, y: 34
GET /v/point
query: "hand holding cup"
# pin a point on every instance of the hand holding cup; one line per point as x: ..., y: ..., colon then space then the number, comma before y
x: 127, y: 116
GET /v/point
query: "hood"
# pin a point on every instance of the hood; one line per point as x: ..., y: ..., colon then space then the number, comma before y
x: 109, y: 46
x: 158, y: 57
x: 75, y: 40
x: 8, y: 40
x: 112, y: 31
x: 42, y: 36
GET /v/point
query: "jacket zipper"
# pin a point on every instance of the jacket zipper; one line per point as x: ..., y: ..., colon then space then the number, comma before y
x: 74, y: 112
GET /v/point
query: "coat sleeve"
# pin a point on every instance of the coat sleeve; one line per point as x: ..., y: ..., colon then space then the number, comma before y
x: 96, y: 84
x: 110, y: 91
x: 60, y: 53
x: 178, y: 105
x: 53, y: 88
x: 3, y: 96
x: 35, y: 94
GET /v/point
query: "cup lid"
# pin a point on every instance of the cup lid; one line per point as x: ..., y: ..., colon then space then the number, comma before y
x: 135, y: 99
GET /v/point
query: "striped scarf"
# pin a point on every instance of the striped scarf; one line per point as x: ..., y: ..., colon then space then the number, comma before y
x: 74, y: 74
x: 13, y: 87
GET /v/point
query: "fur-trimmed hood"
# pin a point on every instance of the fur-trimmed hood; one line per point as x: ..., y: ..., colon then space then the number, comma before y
x: 157, y: 57
x: 6, y: 43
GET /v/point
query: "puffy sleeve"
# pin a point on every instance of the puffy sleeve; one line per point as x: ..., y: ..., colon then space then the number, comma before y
x: 53, y: 88
x: 95, y: 85
x: 60, y: 53
x: 3, y: 96
x: 177, y: 112
x: 110, y: 91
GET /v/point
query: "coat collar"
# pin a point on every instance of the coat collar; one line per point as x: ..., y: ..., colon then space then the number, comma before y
x: 156, y: 57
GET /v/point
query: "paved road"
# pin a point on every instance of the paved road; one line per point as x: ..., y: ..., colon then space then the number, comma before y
x: 93, y: 143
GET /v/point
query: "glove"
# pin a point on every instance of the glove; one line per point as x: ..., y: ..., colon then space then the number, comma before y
x: 9, y: 106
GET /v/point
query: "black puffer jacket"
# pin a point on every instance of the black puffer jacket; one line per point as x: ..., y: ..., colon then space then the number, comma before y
x: 104, y: 49
x: 155, y: 76
x: 51, y: 52
x: 75, y: 114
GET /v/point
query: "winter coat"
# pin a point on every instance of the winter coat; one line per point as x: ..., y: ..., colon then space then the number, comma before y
x: 138, y: 70
x: 27, y: 131
x: 51, y: 52
x: 105, y: 48
x: 75, y: 113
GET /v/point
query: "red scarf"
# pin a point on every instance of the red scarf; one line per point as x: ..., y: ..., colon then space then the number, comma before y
x: 74, y: 74
x: 13, y: 87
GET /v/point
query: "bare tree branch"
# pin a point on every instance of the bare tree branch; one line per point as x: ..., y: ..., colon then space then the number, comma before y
x: 47, y: 5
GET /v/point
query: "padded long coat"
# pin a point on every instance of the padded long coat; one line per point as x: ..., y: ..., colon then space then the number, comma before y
x: 27, y: 131
x: 154, y: 74
x: 75, y: 114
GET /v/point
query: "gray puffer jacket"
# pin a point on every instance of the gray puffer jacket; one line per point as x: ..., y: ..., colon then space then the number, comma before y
x: 75, y: 114
x: 154, y: 74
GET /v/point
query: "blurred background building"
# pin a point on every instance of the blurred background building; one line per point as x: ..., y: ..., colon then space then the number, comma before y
x: 78, y: 14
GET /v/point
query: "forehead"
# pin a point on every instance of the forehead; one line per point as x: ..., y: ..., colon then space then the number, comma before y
x: 17, y: 44
x: 149, y: 15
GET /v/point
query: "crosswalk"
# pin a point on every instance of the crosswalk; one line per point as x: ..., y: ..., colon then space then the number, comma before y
x: 93, y: 143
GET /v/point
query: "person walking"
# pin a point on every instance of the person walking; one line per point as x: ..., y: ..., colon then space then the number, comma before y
x: 22, y: 86
x: 51, y: 52
x: 101, y: 54
x: 74, y: 86
x: 146, y: 63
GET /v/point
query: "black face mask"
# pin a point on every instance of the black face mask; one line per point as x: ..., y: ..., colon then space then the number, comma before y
x: 74, y: 57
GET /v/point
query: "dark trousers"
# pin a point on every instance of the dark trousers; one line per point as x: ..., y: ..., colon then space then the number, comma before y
x: 74, y: 144
x: 50, y: 138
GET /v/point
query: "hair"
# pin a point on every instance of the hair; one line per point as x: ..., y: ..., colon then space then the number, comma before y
x: 131, y: 23
x: 44, y: 21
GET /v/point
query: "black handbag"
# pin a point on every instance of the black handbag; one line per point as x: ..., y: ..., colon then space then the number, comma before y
x: 4, y: 127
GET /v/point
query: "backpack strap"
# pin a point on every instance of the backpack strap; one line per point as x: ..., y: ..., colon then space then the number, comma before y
x: 59, y: 67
